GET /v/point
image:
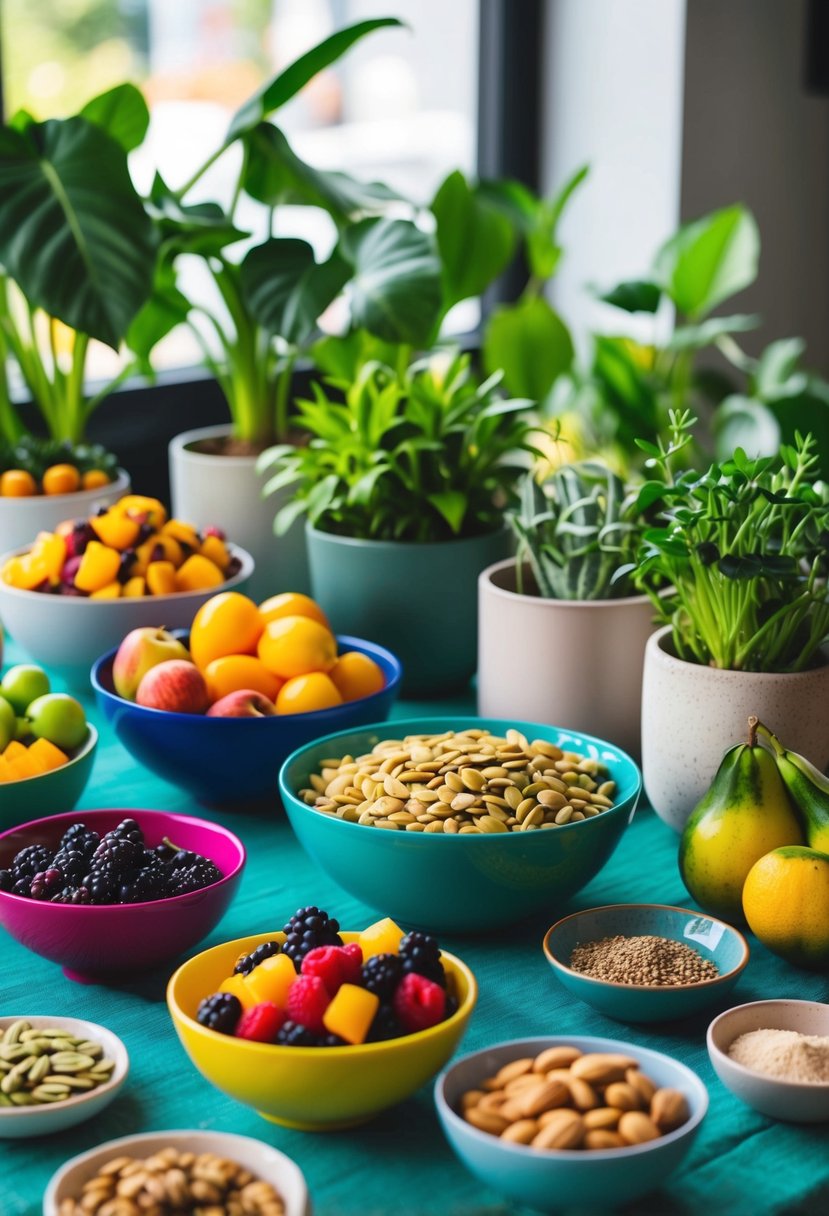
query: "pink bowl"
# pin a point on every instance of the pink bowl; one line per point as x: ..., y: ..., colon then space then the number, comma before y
x: 94, y: 941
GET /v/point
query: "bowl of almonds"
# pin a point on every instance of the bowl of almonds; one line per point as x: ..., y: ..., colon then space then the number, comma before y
x: 571, y: 1120
x: 460, y: 824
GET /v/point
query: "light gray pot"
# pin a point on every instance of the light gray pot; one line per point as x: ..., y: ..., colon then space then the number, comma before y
x: 692, y: 714
x: 570, y: 663
x: 416, y: 599
x: 227, y: 491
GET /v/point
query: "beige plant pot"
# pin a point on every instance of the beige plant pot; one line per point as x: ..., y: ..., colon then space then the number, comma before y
x: 569, y: 663
x: 692, y: 714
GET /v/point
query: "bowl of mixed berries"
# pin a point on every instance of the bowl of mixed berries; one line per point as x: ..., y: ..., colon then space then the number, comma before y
x: 319, y: 1028
x: 104, y: 892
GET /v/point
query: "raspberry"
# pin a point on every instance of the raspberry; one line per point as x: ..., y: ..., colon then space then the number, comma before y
x: 381, y: 974
x: 419, y: 1003
x: 354, y: 953
x: 333, y: 964
x: 247, y: 962
x: 307, y: 1001
x: 261, y: 1023
x: 221, y: 1012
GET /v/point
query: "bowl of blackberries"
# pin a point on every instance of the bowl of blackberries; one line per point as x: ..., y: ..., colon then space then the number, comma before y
x: 109, y: 892
x: 318, y: 1028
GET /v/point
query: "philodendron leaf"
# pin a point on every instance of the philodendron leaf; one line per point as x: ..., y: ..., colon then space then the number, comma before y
x: 122, y: 112
x: 694, y: 337
x: 634, y: 295
x: 709, y: 260
x: 776, y: 374
x: 475, y: 239
x: 198, y: 228
x: 395, y: 290
x: 285, y: 289
x: 286, y: 84
x: 530, y: 343
x: 73, y: 232
x: 744, y: 422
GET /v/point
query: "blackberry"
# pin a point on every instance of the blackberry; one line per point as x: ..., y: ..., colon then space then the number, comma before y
x: 45, y: 883
x: 381, y: 974
x: 292, y: 1034
x: 127, y: 829
x: 101, y: 887
x: 420, y: 953
x: 202, y: 873
x: 247, y: 962
x: 165, y: 851
x: 125, y: 565
x: 384, y: 1026
x: 72, y: 864
x: 332, y: 1040
x: 118, y: 857
x: 145, y: 531
x: 21, y: 887
x: 233, y: 567
x: 221, y: 1012
x: 182, y: 858
x: 307, y: 928
x: 72, y: 895
x: 148, y: 884
x: 30, y: 861
x: 6, y: 880
x: 80, y: 837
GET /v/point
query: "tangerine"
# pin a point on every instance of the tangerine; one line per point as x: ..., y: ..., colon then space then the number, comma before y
x: 236, y: 671
x: 228, y: 623
x: 306, y: 693
x: 61, y: 479
x: 786, y: 904
x: 95, y: 479
x: 292, y: 603
x: 356, y: 675
x: 296, y: 645
x: 17, y: 483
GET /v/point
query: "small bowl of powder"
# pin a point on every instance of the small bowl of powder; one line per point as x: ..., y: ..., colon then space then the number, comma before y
x: 774, y: 1056
x: 645, y: 962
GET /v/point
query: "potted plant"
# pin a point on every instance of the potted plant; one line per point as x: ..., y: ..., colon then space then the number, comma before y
x: 404, y: 482
x: 561, y: 638
x: 743, y: 546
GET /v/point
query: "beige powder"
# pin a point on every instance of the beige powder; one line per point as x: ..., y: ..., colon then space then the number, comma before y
x: 784, y: 1054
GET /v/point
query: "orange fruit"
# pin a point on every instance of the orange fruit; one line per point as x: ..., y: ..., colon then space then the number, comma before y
x: 303, y: 694
x: 786, y: 904
x: 296, y: 645
x: 61, y: 479
x: 17, y: 483
x: 235, y: 671
x: 292, y: 603
x: 228, y: 623
x: 356, y: 675
x: 95, y: 479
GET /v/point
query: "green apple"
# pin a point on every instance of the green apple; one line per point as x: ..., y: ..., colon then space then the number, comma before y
x: 23, y: 684
x: 23, y: 729
x: 8, y: 724
x: 58, y: 718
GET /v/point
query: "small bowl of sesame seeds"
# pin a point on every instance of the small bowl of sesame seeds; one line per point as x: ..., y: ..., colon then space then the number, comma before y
x: 646, y: 962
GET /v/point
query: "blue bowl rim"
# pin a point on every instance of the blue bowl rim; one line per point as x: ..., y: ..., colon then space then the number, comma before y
x: 495, y: 839
x: 599, y: 1044
x: 86, y: 748
x: 590, y: 980
x: 392, y: 667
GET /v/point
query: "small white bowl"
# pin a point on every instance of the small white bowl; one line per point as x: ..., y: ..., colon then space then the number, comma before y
x: 23, y: 1122
x: 22, y: 518
x: 261, y: 1159
x: 791, y: 1101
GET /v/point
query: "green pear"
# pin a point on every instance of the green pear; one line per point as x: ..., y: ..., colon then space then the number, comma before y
x: 808, y: 787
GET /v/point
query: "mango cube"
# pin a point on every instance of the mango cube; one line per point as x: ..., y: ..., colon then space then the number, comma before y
x: 47, y: 754
x: 198, y: 574
x: 99, y: 566
x: 50, y: 549
x: 271, y: 979
x: 351, y: 1013
x: 161, y: 578
x: 14, y: 750
x: 216, y: 550
x: 183, y: 532
x: 383, y: 937
x: 142, y: 508
x: 112, y: 591
x: 236, y: 985
x: 115, y: 529
x: 134, y: 588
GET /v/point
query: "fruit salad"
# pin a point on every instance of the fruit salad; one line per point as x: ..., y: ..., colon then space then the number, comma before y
x: 39, y: 729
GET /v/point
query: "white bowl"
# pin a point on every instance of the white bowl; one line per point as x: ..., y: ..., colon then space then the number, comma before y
x: 792, y: 1101
x: 22, y: 518
x: 23, y: 1122
x: 261, y: 1159
x: 66, y: 633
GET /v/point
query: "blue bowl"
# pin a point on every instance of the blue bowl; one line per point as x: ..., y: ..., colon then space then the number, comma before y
x: 597, y: 1180
x: 712, y: 938
x: 232, y: 760
x: 463, y: 883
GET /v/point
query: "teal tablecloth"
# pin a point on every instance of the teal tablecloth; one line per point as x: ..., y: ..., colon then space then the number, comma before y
x: 742, y: 1164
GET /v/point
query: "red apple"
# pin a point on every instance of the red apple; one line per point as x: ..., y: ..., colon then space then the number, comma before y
x: 243, y: 703
x: 141, y: 650
x: 176, y: 685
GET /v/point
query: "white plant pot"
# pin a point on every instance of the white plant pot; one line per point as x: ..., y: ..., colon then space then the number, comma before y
x: 227, y: 491
x: 22, y: 518
x: 692, y: 714
x: 570, y: 663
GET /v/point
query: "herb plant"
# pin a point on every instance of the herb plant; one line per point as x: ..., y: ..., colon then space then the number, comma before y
x: 426, y: 454
x: 744, y: 546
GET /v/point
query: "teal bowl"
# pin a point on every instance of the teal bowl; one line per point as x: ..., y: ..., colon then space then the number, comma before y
x: 48, y: 793
x: 552, y: 1180
x: 462, y: 883
x: 712, y: 938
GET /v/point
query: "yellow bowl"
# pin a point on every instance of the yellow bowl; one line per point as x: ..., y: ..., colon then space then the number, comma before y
x: 311, y: 1088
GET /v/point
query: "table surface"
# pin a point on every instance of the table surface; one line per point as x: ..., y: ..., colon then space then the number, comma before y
x: 742, y: 1163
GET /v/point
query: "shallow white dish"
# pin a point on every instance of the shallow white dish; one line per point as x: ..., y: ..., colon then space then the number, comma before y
x: 23, y: 1122
x: 791, y: 1101
x: 261, y: 1159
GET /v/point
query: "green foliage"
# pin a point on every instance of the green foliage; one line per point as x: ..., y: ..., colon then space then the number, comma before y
x: 36, y: 455
x: 426, y: 455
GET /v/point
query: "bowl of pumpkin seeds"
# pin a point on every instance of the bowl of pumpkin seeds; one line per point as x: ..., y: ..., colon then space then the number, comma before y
x: 55, y: 1072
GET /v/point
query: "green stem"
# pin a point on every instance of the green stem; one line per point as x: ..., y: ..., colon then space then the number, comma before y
x: 71, y: 409
x: 191, y: 181
x: 282, y: 399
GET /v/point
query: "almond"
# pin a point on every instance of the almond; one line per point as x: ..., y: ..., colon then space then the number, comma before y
x: 555, y: 1057
x: 486, y: 1120
x: 599, y: 1138
x: 566, y: 1131
x: 603, y: 1118
x: 510, y: 1071
x: 643, y: 1085
x: 623, y: 1096
x: 636, y: 1128
x: 669, y: 1109
x: 545, y: 1096
x: 522, y: 1132
x: 601, y: 1068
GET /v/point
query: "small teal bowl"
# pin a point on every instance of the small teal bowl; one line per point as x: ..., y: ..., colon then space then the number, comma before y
x: 462, y: 883
x: 712, y: 938
x: 222, y: 761
x: 595, y: 1180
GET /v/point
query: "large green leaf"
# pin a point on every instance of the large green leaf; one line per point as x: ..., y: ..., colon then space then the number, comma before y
x: 166, y: 308
x: 530, y: 343
x: 695, y: 337
x: 201, y: 228
x: 122, y: 112
x: 543, y: 250
x: 73, y: 232
x: 285, y: 290
x: 709, y: 260
x: 475, y: 239
x: 777, y: 373
x: 743, y: 422
x: 286, y: 84
x: 634, y: 295
x: 395, y: 291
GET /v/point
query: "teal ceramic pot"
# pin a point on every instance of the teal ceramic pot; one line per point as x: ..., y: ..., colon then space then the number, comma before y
x: 419, y: 601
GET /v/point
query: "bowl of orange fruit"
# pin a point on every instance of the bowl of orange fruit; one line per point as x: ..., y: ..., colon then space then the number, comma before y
x: 216, y: 709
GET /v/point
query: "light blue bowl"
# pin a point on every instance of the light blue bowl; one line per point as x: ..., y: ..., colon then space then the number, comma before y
x: 595, y: 1180
x: 462, y: 883
x: 712, y: 938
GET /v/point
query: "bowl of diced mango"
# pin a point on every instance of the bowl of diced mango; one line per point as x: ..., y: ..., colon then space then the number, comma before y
x: 43, y: 779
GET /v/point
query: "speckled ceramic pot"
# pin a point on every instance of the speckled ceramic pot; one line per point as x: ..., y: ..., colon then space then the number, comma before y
x: 692, y: 714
